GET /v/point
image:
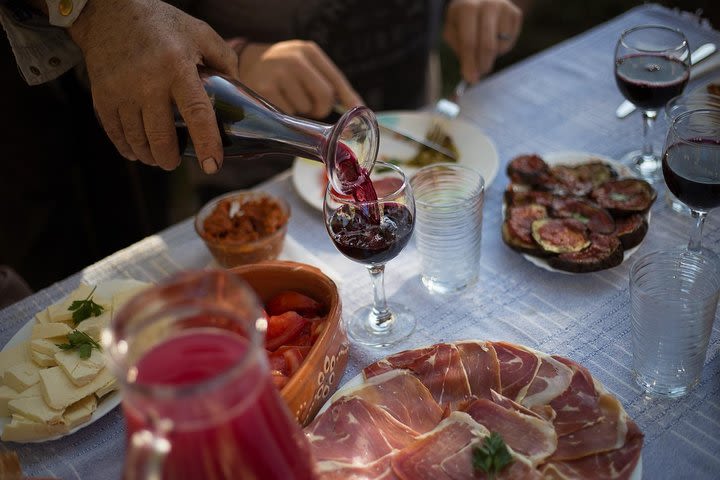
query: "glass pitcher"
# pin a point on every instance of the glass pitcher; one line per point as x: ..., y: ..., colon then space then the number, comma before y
x: 198, y: 398
x: 251, y: 127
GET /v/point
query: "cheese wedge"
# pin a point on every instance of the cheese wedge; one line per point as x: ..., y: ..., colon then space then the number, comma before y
x: 6, y: 394
x: 21, y: 376
x: 80, y: 412
x: 60, y: 311
x: 42, y: 360
x: 111, y: 386
x: 94, y: 326
x: 11, y: 356
x: 47, y: 346
x: 122, y: 297
x: 80, y: 371
x: 43, y: 316
x: 50, y: 330
x: 22, y: 429
x: 37, y: 410
x: 59, y: 392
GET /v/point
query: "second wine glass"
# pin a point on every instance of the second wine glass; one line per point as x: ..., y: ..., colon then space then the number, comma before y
x: 652, y: 65
x: 372, y: 232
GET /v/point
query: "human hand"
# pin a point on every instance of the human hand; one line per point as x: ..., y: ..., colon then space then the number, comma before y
x: 297, y: 77
x: 141, y: 56
x: 479, y: 31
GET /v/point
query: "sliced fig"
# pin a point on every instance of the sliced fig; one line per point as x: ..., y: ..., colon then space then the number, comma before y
x: 597, y: 220
x: 518, y: 197
x: 626, y: 196
x: 527, y: 169
x: 605, y: 251
x: 580, y: 179
x: 631, y: 229
x: 560, y: 235
x: 596, y: 172
x: 517, y: 228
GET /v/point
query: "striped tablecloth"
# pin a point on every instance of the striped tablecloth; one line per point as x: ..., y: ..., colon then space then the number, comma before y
x: 561, y: 99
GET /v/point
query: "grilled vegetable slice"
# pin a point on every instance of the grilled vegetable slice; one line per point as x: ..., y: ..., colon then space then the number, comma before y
x: 517, y: 228
x: 597, y: 220
x: 626, y: 196
x: 528, y: 169
x: 631, y: 229
x: 522, y: 196
x: 605, y: 251
x: 560, y: 235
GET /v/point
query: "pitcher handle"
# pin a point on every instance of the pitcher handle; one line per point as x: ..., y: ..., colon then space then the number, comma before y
x: 146, y: 455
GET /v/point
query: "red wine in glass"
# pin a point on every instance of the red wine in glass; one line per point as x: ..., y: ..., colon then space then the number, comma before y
x: 692, y: 173
x: 366, y: 241
x: 650, y: 80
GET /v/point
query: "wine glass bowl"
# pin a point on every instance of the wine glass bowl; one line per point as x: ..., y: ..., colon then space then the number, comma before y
x: 652, y: 65
x: 691, y: 164
x: 373, y: 231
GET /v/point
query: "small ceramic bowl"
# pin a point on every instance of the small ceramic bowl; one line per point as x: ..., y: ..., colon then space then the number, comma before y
x: 321, y: 371
x: 243, y: 227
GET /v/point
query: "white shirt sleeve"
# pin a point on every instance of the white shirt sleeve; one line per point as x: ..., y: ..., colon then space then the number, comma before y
x: 42, y: 52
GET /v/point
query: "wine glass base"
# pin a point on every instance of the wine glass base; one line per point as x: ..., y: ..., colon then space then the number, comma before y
x: 363, y: 329
x: 649, y: 168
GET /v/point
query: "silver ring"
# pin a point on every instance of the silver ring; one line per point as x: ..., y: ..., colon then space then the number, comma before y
x: 505, y: 37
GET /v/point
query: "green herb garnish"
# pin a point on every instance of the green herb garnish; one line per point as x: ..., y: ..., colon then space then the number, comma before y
x: 80, y: 341
x: 491, y: 456
x: 84, y: 309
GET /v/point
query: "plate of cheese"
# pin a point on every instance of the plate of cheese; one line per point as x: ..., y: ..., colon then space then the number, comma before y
x: 53, y: 374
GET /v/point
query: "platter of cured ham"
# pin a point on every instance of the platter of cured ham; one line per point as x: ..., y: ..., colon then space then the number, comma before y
x: 419, y: 414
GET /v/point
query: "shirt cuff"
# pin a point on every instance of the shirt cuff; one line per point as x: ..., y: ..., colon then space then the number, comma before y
x: 63, y: 13
x: 42, y: 52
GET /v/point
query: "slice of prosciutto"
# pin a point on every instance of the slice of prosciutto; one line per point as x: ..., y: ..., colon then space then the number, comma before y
x: 482, y: 367
x: 518, y: 367
x: 577, y: 407
x: 551, y: 380
x: 526, y: 434
x: 446, y: 454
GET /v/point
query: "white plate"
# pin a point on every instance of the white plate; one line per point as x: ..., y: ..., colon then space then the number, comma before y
x: 476, y: 151
x: 572, y: 158
x: 358, y: 380
x: 109, y: 401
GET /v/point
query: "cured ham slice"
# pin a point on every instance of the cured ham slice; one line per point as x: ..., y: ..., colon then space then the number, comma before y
x: 608, y: 433
x: 355, y: 433
x: 518, y: 367
x: 403, y: 396
x: 446, y: 454
x: 613, y: 465
x: 481, y: 367
x: 526, y: 434
x: 551, y: 380
x: 439, y: 368
x: 381, y: 469
x: 577, y: 407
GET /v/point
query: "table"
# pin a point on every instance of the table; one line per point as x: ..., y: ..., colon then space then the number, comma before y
x: 561, y: 99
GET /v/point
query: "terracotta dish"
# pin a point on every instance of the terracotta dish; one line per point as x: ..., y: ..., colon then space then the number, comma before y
x: 321, y: 371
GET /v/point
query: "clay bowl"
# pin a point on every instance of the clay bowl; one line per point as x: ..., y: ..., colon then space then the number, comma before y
x: 321, y: 371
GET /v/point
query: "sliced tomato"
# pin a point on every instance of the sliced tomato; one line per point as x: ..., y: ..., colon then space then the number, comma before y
x: 279, y: 379
x: 293, y: 356
x: 282, y: 329
x: 277, y: 362
x: 291, y: 300
x: 317, y: 326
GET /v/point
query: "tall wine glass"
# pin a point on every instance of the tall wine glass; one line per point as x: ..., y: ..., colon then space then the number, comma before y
x: 652, y: 65
x: 691, y: 165
x: 373, y: 229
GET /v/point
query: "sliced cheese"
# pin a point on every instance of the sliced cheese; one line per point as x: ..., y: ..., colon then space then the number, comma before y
x: 59, y: 391
x: 122, y: 297
x: 12, y: 356
x: 80, y: 371
x: 6, y: 394
x: 37, y: 410
x: 60, y: 311
x: 42, y: 360
x: 94, y: 326
x: 50, y: 330
x: 21, y: 376
x: 80, y: 412
x: 111, y: 386
x: 43, y: 316
x: 48, y: 346
x: 22, y: 429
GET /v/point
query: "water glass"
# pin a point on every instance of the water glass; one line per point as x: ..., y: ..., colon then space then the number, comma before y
x: 673, y: 297
x: 449, y: 202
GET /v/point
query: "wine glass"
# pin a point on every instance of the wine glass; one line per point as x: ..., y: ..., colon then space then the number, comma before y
x: 691, y: 165
x: 373, y: 229
x: 652, y: 65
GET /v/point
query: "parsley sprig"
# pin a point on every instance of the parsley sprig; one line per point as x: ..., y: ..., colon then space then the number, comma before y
x: 80, y: 341
x: 84, y: 309
x: 491, y: 456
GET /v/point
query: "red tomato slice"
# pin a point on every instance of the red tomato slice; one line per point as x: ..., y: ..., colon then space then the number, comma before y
x: 294, y: 357
x: 290, y: 300
x: 283, y: 329
x: 279, y: 379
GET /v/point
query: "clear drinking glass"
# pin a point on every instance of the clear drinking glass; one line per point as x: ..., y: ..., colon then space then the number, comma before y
x: 448, y: 229
x: 691, y: 165
x: 673, y: 297
x: 198, y: 398
x: 373, y: 231
x: 652, y: 65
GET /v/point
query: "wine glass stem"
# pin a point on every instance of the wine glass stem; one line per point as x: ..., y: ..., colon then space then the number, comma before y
x: 380, y: 309
x: 649, y: 117
x: 696, y: 235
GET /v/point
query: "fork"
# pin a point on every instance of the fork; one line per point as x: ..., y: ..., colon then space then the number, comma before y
x: 446, y: 109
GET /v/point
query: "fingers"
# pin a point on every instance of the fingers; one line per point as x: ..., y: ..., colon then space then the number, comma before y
x: 486, y: 47
x: 160, y: 131
x: 134, y: 128
x: 508, y: 28
x: 195, y: 107
x: 110, y: 121
x: 466, y: 39
x: 344, y: 92
x: 216, y: 52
